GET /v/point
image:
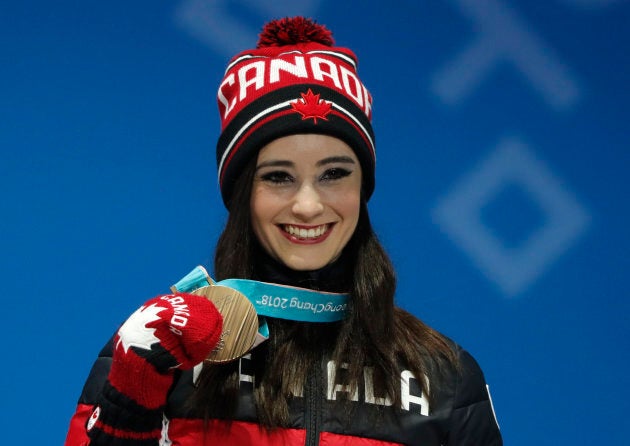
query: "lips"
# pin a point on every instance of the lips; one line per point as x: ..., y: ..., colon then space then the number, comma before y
x: 306, y: 234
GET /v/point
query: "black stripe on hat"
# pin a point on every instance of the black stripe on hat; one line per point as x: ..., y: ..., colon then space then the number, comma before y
x: 272, y: 116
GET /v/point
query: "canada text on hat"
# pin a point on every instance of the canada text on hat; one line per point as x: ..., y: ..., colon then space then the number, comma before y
x: 256, y: 75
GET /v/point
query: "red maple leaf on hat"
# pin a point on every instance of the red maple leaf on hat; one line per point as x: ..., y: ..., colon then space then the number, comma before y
x: 311, y: 106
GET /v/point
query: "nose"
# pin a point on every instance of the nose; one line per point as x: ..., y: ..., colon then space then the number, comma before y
x: 307, y: 202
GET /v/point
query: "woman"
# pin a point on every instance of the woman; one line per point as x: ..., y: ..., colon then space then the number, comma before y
x: 296, y: 169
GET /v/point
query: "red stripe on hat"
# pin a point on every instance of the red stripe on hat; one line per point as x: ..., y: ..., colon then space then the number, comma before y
x: 244, y: 137
x: 279, y: 114
x: 358, y: 129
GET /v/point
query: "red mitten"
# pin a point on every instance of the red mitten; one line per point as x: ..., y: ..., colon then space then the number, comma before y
x: 175, y: 331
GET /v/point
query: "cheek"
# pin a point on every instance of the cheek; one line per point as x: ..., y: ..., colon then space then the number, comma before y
x: 256, y: 211
x: 350, y: 204
x: 262, y: 209
x: 350, y: 208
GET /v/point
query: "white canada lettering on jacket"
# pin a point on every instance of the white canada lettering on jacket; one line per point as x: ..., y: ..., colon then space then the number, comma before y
x: 407, y: 398
x: 263, y: 72
x: 410, y: 400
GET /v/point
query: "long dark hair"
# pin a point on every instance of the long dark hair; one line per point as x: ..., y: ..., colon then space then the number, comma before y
x: 375, y: 334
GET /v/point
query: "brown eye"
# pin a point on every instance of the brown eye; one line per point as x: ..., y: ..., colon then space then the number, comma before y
x: 277, y: 177
x: 335, y: 173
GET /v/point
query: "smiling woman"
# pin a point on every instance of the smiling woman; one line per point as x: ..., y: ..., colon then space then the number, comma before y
x: 305, y: 199
x: 296, y: 169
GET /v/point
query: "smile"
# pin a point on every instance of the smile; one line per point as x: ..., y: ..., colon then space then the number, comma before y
x: 306, y: 233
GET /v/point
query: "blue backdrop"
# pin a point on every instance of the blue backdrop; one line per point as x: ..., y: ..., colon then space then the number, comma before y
x: 502, y: 147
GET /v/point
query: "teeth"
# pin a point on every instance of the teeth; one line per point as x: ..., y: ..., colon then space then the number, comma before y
x: 306, y: 233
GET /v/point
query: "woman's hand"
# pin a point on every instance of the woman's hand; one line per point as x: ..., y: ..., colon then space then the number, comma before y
x: 169, y: 332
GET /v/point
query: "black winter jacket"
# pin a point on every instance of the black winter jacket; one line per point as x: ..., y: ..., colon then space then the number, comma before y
x: 461, y: 415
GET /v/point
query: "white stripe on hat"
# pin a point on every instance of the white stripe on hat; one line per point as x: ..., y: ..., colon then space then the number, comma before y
x: 247, y: 125
x: 281, y: 105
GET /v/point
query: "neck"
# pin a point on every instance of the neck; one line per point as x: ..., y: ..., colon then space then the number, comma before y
x: 335, y: 277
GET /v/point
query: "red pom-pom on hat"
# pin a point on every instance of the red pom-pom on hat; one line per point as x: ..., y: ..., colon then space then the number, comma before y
x: 294, y: 30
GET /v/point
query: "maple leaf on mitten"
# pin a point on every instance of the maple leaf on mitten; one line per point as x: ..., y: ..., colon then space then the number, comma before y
x: 168, y: 332
x: 175, y: 331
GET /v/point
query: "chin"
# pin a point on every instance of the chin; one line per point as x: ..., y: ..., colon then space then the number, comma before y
x: 305, y: 265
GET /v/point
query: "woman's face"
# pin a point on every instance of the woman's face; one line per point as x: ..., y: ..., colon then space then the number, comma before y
x: 305, y: 199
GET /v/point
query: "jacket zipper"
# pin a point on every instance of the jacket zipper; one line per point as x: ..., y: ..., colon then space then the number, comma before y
x: 313, y: 406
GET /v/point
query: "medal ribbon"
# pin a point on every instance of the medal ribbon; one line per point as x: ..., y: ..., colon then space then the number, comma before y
x: 273, y: 300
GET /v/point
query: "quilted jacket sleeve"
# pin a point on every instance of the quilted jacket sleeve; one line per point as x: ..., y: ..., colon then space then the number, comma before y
x: 117, y: 421
x: 77, y: 432
x: 473, y: 421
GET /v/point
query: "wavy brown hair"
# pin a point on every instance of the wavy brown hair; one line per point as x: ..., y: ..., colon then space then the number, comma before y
x: 375, y: 334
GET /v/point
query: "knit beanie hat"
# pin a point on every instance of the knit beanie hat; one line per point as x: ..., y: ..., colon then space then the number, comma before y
x: 294, y: 81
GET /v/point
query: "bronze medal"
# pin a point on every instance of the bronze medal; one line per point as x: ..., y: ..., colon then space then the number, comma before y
x: 240, y: 322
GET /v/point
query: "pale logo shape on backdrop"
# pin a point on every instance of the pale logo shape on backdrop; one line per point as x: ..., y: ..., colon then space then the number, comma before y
x: 512, y: 269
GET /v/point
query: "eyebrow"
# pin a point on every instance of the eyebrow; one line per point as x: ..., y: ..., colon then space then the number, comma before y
x: 322, y: 162
x: 335, y: 159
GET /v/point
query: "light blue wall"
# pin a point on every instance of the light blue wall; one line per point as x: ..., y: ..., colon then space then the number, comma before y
x: 502, y: 186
